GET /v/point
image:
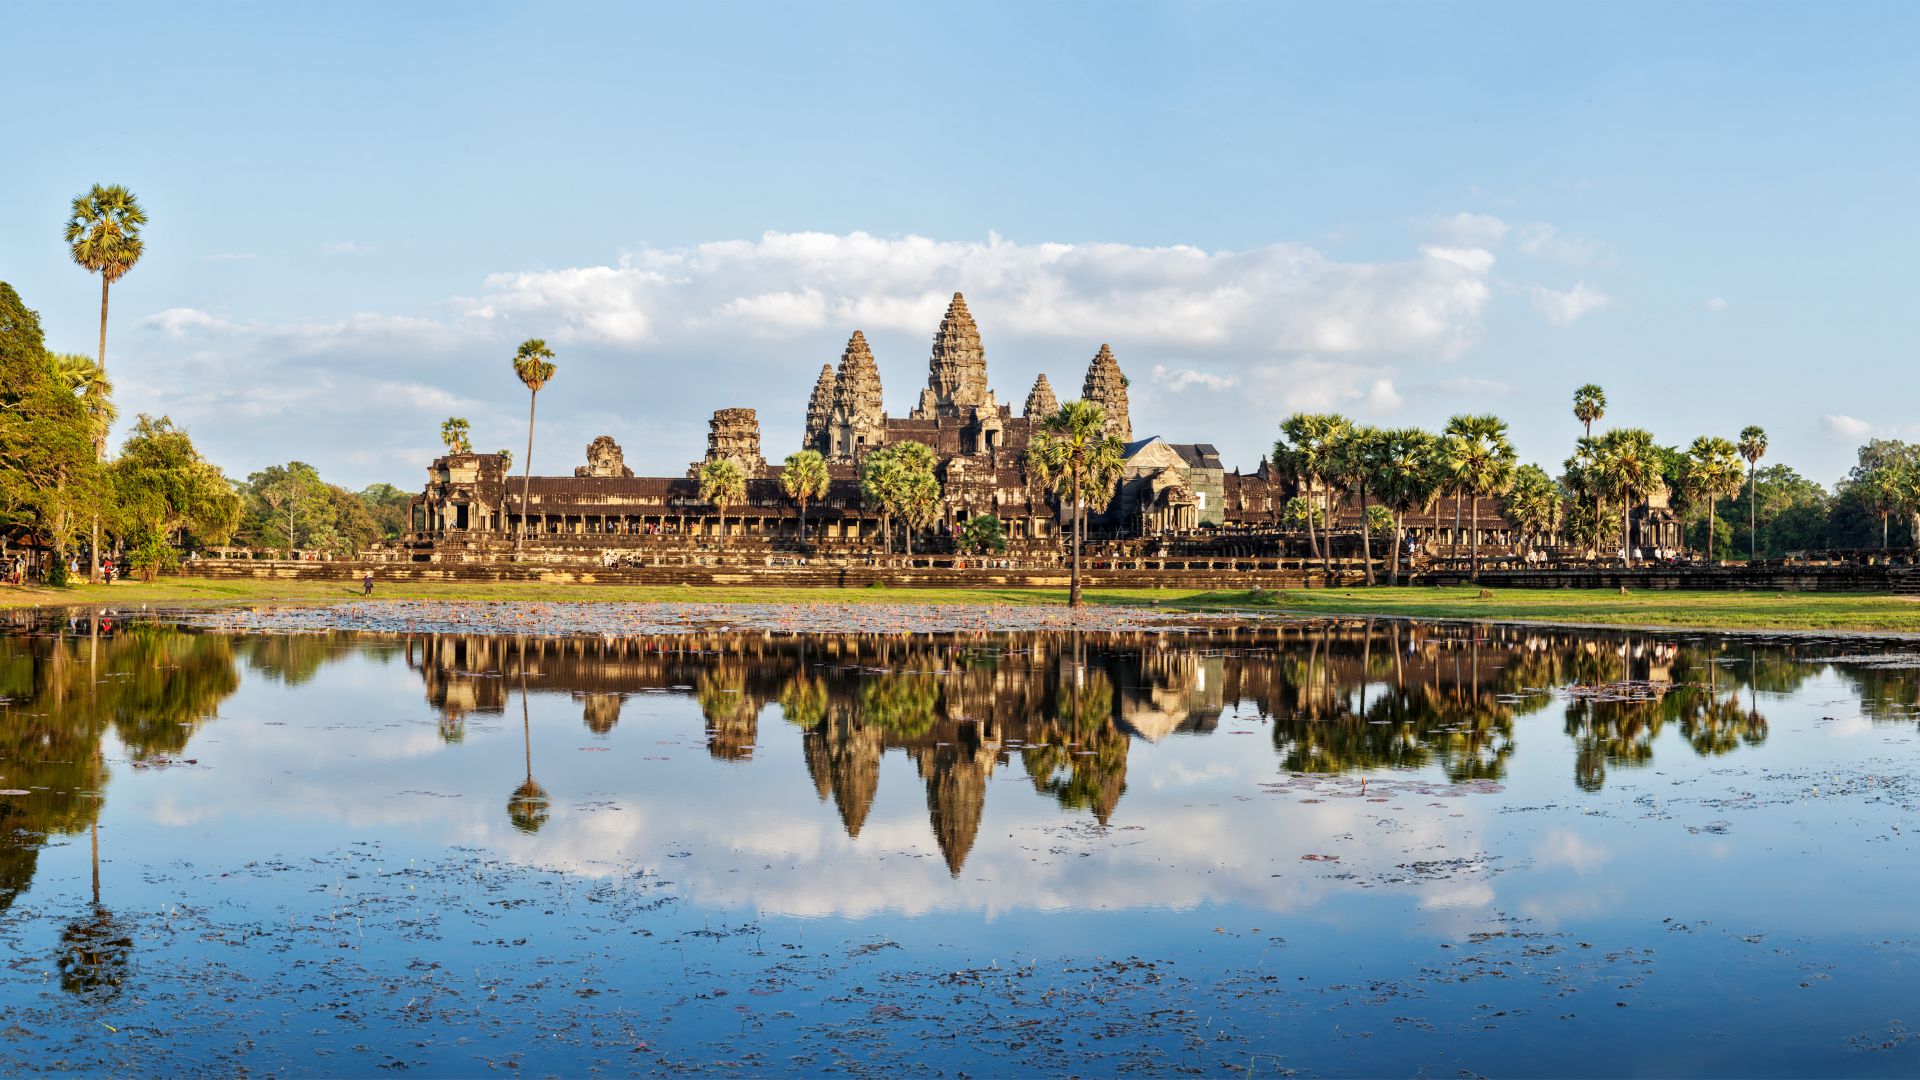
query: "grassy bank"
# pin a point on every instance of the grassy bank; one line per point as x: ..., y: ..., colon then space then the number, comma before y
x: 1704, y: 610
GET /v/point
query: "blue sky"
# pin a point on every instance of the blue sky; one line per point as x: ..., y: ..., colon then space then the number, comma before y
x: 1397, y: 211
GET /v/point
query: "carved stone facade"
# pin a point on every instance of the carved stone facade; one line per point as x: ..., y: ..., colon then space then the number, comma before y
x: 859, y: 414
x: 819, y: 412
x: 604, y: 459
x: 957, y: 372
x: 1040, y: 400
x: 734, y: 433
x: 1107, y: 388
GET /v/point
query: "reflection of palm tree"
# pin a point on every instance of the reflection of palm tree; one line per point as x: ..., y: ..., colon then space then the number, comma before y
x: 95, y: 951
x: 527, y: 808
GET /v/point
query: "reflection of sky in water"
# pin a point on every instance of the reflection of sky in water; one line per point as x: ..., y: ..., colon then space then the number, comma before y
x: 1675, y: 869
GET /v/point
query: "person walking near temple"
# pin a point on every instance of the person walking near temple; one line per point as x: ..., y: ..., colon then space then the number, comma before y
x: 366, y: 584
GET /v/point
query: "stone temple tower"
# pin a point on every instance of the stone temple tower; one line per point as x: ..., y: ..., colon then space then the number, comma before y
x: 1040, y: 402
x: 1107, y: 388
x: 859, y: 415
x: 733, y: 433
x: 819, y: 412
x: 957, y: 370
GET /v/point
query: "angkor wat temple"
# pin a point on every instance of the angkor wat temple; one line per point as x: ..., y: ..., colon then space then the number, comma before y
x: 470, y: 511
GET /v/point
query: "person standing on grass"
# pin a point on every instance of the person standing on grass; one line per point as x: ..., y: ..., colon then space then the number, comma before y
x: 366, y: 584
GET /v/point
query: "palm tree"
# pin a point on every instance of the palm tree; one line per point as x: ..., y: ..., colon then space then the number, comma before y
x: 1629, y: 466
x: 1713, y: 471
x: 804, y: 479
x: 103, y: 235
x: 723, y: 482
x: 1479, y: 461
x: 1753, y: 447
x: 880, y: 481
x: 1589, y: 404
x: 533, y: 362
x: 1407, y: 480
x: 454, y: 431
x: 1533, y: 502
x: 88, y: 381
x: 1305, y: 453
x: 1072, y: 454
x: 1353, y: 461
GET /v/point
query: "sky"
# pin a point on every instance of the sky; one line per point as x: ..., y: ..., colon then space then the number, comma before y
x: 1398, y: 212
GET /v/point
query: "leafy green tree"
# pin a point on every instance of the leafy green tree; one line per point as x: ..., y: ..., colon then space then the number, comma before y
x: 1306, y: 455
x: 533, y: 363
x: 804, y: 479
x: 294, y: 507
x: 50, y: 472
x: 1796, y: 513
x: 168, y: 494
x: 455, y: 432
x: 723, y: 482
x: 1713, y: 473
x: 1753, y: 447
x: 387, y: 507
x: 1478, y: 460
x: 1074, y: 456
x: 982, y: 534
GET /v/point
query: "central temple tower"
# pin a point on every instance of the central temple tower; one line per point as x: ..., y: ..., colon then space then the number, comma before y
x: 957, y: 370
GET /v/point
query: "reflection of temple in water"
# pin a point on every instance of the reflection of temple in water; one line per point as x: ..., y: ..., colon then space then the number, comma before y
x: 1337, y: 696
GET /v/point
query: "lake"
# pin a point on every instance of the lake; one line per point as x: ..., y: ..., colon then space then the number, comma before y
x: 1318, y: 848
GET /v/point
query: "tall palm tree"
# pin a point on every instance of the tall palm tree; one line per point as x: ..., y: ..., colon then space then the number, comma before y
x: 103, y: 235
x: 533, y: 362
x: 804, y: 479
x: 1353, y: 463
x: 1629, y: 467
x: 1479, y: 460
x: 1305, y: 453
x: 723, y: 482
x: 1071, y: 454
x: 1408, y: 479
x: 1589, y: 404
x: 1753, y: 447
x: 454, y: 431
x: 1713, y: 471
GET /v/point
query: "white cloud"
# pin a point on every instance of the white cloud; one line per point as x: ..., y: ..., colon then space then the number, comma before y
x: 1563, y: 307
x: 1716, y: 303
x: 1381, y: 396
x: 1843, y: 427
x: 1178, y: 379
x: 347, y: 247
x: 1283, y: 298
x: 1478, y: 260
x: 179, y: 322
x: 1473, y: 386
x: 1471, y: 230
x: 1543, y: 241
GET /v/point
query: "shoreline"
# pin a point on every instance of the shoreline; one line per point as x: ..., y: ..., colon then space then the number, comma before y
x: 1832, y: 616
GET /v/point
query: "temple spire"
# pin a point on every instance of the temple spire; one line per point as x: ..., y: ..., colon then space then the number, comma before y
x: 1107, y: 388
x: 819, y: 411
x: 859, y: 414
x: 957, y: 369
x: 1040, y: 401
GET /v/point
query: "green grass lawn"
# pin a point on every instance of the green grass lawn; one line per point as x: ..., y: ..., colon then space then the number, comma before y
x: 1704, y: 610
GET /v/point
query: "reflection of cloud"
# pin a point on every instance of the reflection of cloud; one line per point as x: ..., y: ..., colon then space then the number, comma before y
x: 1557, y: 909
x: 1563, y: 847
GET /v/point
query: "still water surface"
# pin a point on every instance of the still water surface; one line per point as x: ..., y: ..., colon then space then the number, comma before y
x: 1314, y: 848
